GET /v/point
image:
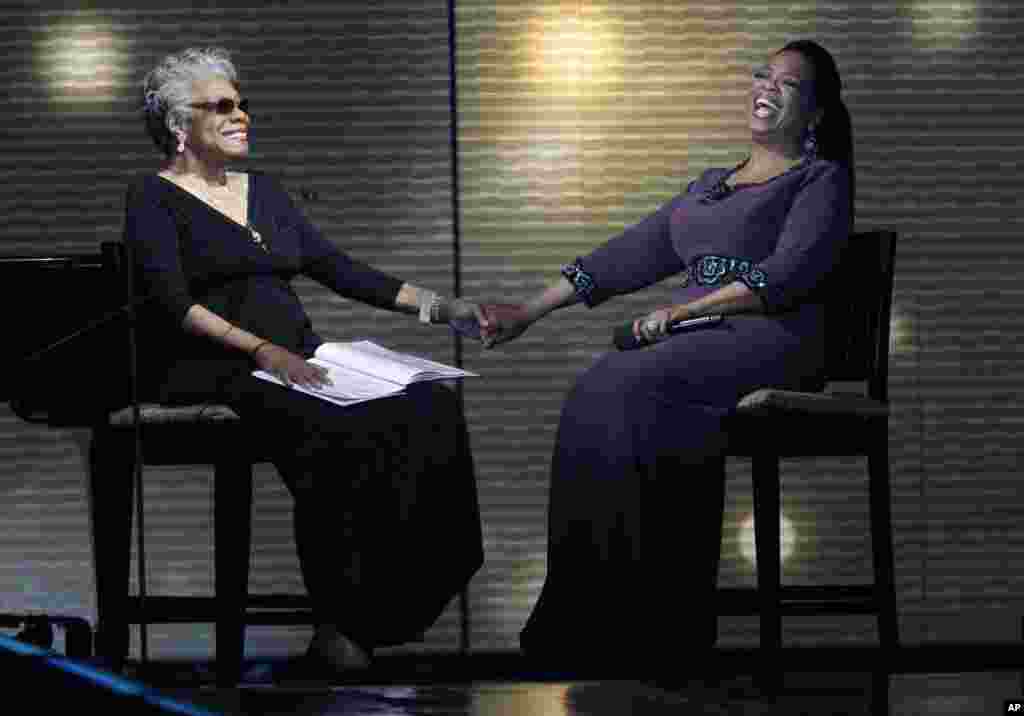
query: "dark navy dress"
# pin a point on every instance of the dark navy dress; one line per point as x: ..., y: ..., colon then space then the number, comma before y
x: 387, y: 523
x: 637, y: 476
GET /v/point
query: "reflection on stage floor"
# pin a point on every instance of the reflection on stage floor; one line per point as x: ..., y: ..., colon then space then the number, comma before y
x: 834, y: 694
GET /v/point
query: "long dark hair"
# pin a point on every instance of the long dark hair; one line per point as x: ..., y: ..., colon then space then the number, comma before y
x: 835, y: 130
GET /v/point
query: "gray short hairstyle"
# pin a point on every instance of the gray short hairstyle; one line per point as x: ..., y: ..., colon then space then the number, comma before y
x: 167, y: 91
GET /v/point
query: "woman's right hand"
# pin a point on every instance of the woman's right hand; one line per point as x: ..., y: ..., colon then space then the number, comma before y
x: 505, y: 322
x: 289, y: 367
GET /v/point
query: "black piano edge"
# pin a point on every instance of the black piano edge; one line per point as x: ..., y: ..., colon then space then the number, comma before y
x: 69, y: 316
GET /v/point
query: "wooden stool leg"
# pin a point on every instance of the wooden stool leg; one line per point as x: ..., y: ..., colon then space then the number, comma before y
x: 883, y: 559
x: 111, y: 470
x: 232, y: 548
x: 881, y: 544
x: 880, y: 692
x: 767, y: 525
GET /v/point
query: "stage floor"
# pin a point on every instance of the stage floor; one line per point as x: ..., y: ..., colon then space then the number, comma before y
x: 938, y: 679
x: 811, y: 693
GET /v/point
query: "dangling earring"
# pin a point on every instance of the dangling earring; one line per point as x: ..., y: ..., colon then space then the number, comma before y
x: 810, y: 144
x: 181, y: 144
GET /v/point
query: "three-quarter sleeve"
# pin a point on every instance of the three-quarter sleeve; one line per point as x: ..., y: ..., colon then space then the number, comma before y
x: 814, y: 233
x: 152, y: 236
x: 348, y: 277
x: 328, y: 265
x: 638, y: 257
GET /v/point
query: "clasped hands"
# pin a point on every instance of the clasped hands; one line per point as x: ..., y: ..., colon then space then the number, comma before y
x: 491, y: 323
x: 506, y: 321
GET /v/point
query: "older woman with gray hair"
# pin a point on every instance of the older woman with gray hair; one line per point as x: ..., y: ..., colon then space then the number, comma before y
x: 386, y: 516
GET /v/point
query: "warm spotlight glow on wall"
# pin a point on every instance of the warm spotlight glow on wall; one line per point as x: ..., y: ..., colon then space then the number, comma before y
x: 567, y: 57
x: 541, y: 173
x: 901, y: 333
x: 936, y: 21
x: 78, y: 58
x: 572, y: 48
x: 788, y: 538
x: 518, y: 699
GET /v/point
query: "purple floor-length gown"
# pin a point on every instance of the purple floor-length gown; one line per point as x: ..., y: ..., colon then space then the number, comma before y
x: 637, y: 475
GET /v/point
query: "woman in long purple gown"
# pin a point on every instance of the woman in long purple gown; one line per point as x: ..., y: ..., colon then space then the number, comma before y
x: 637, y: 475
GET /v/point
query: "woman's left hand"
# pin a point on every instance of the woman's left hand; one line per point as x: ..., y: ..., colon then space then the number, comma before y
x: 653, y: 327
x: 288, y: 367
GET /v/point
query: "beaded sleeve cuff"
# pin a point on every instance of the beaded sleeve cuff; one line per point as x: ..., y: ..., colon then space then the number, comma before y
x: 754, y: 279
x: 582, y: 282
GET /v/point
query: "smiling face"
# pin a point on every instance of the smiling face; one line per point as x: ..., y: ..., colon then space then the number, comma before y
x: 782, y: 99
x: 216, y: 137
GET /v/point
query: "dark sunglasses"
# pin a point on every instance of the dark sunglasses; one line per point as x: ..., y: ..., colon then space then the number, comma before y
x: 225, y: 105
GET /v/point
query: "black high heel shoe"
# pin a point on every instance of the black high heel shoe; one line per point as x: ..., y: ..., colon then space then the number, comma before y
x: 336, y: 652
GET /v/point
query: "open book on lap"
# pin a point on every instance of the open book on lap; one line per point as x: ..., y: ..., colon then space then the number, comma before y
x: 362, y: 370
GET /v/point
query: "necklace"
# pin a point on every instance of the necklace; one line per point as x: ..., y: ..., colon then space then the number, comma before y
x: 721, y: 189
x: 201, y: 188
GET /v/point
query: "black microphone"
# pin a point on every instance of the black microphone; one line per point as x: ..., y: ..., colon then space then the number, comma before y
x: 624, y: 339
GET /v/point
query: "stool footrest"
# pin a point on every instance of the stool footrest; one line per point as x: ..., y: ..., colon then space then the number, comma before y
x: 260, y: 609
x: 807, y: 600
x: 279, y: 618
x: 278, y: 601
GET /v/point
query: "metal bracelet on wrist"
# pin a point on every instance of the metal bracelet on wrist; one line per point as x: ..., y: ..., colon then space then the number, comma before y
x: 436, y: 310
x: 427, y: 299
